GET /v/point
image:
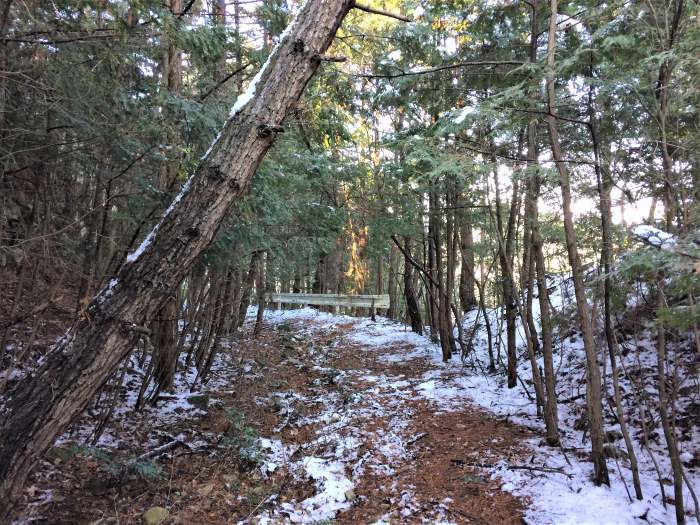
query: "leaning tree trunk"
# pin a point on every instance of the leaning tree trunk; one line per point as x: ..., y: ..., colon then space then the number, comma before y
x: 41, y: 407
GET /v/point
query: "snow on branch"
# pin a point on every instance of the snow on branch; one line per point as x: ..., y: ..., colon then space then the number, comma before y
x: 654, y: 237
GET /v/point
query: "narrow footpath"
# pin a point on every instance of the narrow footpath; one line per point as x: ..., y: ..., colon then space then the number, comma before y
x: 384, y: 432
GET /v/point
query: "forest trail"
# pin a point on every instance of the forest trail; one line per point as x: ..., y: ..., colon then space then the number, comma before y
x: 331, y: 419
x: 320, y: 419
x: 371, y: 424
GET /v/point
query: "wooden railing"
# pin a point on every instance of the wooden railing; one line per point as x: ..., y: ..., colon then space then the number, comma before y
x: 337, y: 301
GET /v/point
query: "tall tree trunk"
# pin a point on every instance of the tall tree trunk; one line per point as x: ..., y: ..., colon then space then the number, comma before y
x: 668, y: 428
x: 593, y: 382
x: 243, y: 298
x: 439, y: 274
x: 505, y: 254
x: 393, y: 282
x: 41, y: 408
x: 536, y: 256
x: 164, y: 326
x: 218, y: 8
x: 412, y: 310
x: 433, y: 309
x: 379, y: 286
x: 451, y: 239
x: 89, y: 244
x: 319, y: 285
x: 261, y: 287
x: 605, y: 185
x: 535, y: 265
x: 467, y: 298
x: 663, y: 84
x: 4, y: 23
x: 218, y: 330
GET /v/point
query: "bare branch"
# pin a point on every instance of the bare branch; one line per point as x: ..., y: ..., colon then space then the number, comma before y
x: 186, y: 9
x: 330, y: 58
x: 223, y: 81
x: 380, y: 12
x: 482, y: 63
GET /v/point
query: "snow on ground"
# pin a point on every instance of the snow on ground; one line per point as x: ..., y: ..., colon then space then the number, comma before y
x: 344, y: 447
x: 332, y: 459
x: 171, y: 407
x: 562, y: 495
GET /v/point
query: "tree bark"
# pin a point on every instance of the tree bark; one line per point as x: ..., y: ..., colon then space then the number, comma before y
x: 392, y: 313
x: 412, y: 309
x: 41, y: 407
x: 243, y: 298
x: 261, y: 286
x: 605, y: 185
x: 467, y: 298
x: 165, y: 326
x: 663, y: 85
x: 4, y: 22
x: 443, y: 302
x: 536, y: 262
x: 432, y: 307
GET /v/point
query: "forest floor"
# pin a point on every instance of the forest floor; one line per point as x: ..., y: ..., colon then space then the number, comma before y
x: 327, y: 419
x: 318, y: 427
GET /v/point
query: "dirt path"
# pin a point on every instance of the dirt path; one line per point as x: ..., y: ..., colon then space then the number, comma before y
x: 319, y: 420
x: 385, y: 447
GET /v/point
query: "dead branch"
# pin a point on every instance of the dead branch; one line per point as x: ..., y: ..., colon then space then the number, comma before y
x: 479, y: 63
x: 380, y: 12
x: 157, y: 452
x: 548, y: 470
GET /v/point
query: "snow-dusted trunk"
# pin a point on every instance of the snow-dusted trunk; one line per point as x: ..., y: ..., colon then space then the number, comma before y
x: 41, y: 407
x: 593, y: 382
